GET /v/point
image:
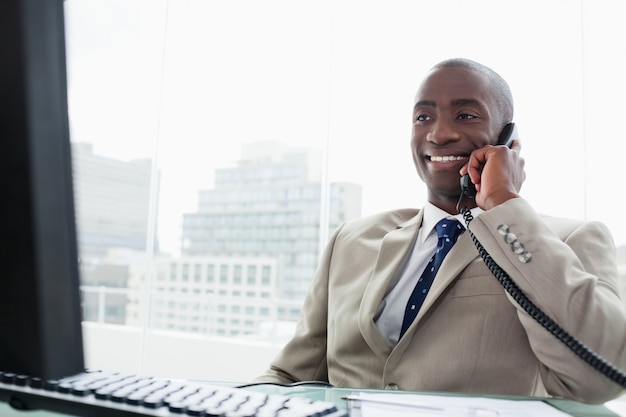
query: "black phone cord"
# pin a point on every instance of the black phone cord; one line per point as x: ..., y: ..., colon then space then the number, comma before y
x: 596, y: 361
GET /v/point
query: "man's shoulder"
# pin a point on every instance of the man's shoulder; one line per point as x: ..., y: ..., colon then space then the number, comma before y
x: 564, y: 226
x: 520, y: 209
x: 561, y: 222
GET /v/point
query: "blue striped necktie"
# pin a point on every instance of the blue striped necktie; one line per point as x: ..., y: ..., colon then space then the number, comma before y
x: 448, y: 231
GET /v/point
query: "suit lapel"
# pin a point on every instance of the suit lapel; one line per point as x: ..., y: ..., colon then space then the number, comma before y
x: 461, y: 254
x: 393, y: 250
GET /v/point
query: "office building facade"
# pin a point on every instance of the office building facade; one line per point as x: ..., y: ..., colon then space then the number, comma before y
x: 111, y: 199
x: 271, y: 206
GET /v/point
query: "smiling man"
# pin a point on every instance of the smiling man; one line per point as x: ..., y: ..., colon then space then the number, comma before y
x: 457, y: 111
x: 402, y: 299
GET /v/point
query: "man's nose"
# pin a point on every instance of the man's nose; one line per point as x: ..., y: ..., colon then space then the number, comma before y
x: 442, y: 132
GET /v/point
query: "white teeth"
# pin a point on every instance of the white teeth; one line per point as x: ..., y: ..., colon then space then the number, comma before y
x: 446, y: 158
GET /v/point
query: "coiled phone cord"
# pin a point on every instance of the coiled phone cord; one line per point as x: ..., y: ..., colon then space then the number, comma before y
x: 596, y: 361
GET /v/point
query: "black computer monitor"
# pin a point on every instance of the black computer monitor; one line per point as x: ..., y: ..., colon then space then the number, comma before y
x: 40, y: 314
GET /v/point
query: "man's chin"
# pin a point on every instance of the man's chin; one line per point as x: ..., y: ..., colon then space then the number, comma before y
x: 450, y: 193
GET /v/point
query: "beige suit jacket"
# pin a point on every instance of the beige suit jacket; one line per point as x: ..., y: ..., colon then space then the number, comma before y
x: 469, y: 336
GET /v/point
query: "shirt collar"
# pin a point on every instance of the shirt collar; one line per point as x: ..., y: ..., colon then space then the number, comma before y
x: 432, y: 215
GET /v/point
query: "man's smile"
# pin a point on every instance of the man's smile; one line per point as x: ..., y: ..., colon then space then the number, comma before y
x: 446, y: 158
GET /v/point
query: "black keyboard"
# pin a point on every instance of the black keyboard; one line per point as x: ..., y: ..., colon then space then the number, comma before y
x: 114, y: 394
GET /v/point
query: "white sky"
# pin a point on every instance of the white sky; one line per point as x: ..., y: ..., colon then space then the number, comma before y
x: 195, y: 79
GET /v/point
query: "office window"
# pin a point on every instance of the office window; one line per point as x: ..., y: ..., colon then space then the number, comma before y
x: 185, y: 273
x: 237, y: 275
x: 223, y: 274
x: 210, y: 270
x: 251, y: 280
x: 218, y: 121
x: 251, y: 274
x: 266, y: 275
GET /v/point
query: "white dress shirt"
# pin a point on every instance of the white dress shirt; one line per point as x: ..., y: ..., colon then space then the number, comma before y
x: 391, y: 311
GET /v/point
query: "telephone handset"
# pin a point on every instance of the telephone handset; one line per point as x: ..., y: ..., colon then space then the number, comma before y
x: 506, y: 138
x: 509, y: 133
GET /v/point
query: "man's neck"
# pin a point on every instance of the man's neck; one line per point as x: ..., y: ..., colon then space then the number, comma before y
x: 450, y: 207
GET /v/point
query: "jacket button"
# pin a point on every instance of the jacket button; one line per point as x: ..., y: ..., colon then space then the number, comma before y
x: 510, y: 238
x: 525, y: 257
x: 517, y: 247
x: 392, y: 386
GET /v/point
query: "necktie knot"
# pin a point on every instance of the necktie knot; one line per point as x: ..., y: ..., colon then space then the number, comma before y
x: 449, y: 229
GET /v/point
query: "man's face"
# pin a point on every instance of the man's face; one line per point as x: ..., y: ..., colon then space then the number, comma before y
x: 454, y: 114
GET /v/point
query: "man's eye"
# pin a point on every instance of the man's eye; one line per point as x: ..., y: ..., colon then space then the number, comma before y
x: 422, y: 118
x: 466, y: 116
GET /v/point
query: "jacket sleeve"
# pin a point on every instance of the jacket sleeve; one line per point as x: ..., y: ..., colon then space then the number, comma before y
x: 568, y: 270
x: 304, y: 357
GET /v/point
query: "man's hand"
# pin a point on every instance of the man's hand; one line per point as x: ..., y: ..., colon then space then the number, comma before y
x: 498, y: 173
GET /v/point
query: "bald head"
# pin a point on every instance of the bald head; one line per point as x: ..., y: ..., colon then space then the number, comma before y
x: 501, y: 91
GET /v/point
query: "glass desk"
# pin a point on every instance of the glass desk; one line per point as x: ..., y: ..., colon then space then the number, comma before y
x: 336, y: 396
